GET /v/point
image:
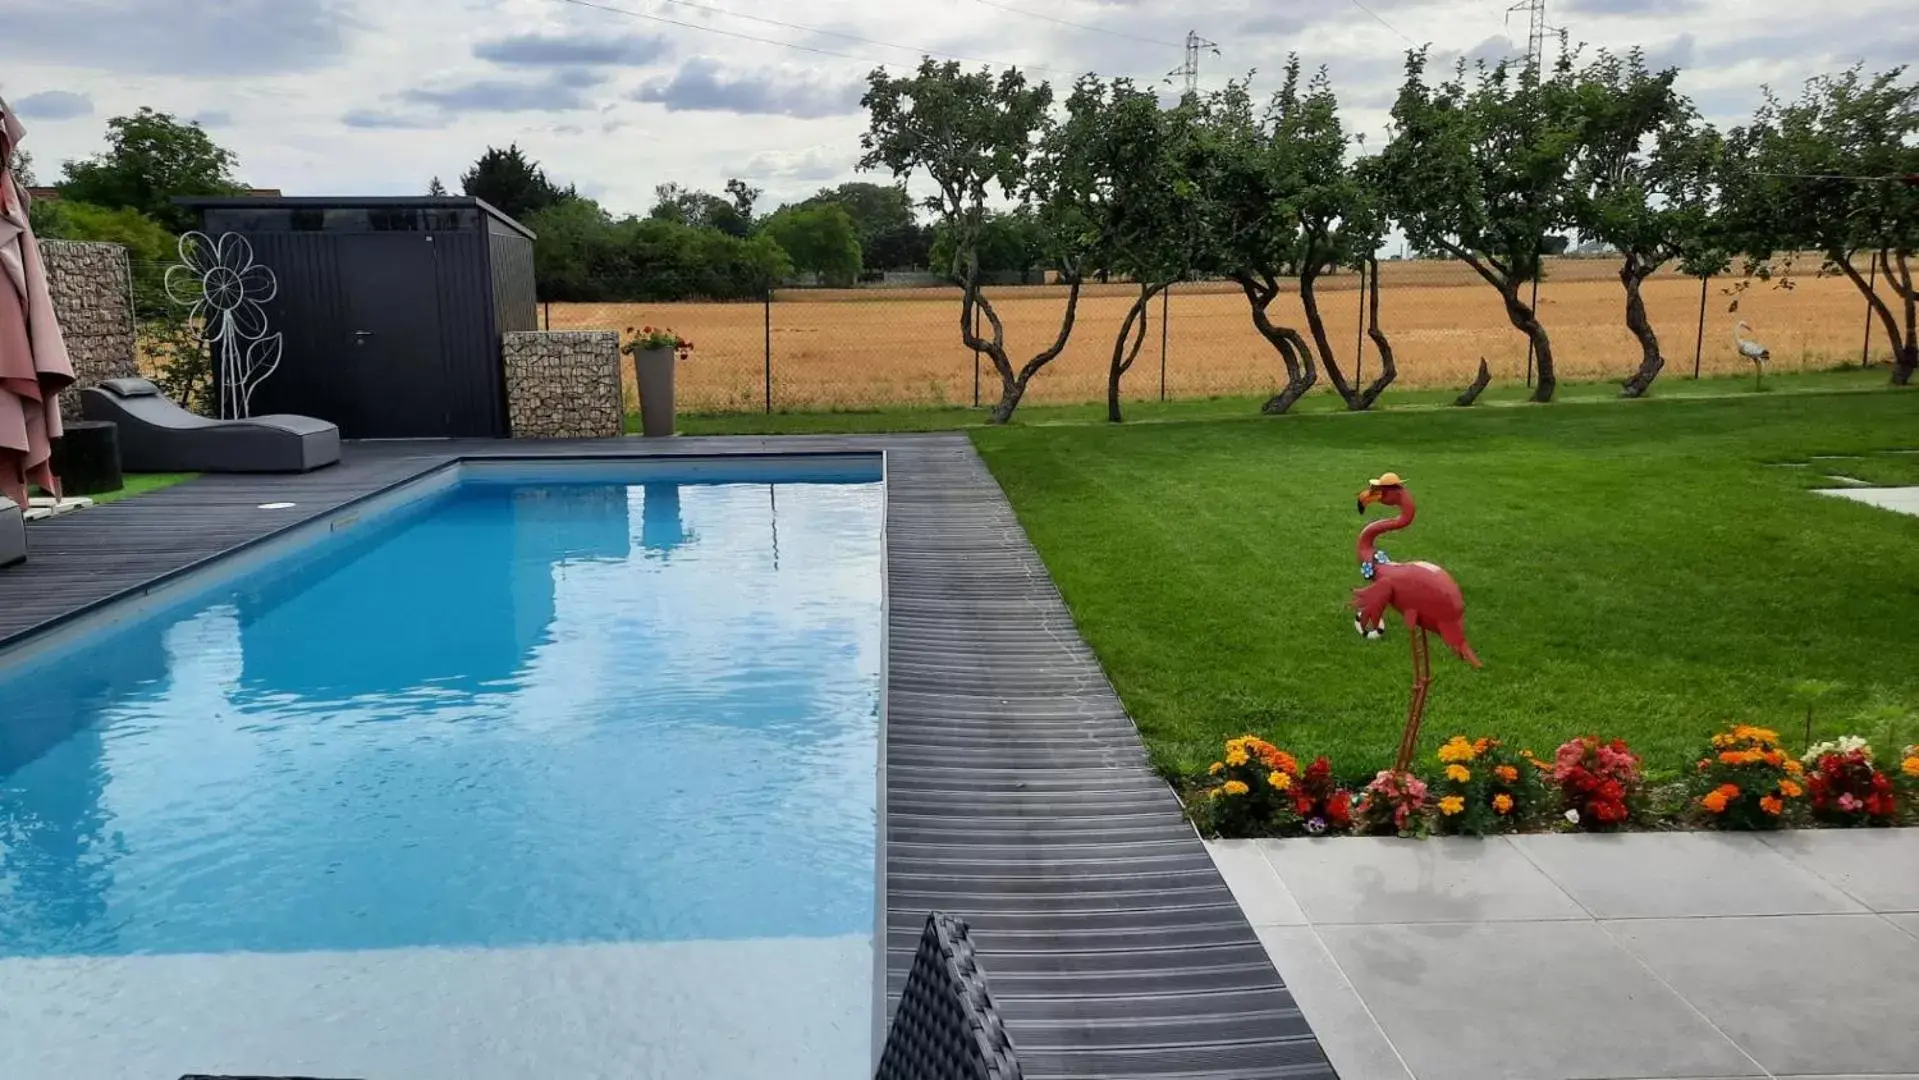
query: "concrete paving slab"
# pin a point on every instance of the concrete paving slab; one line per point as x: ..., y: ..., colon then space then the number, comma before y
x: 1388, y: 880
x: 1525, y: 1001
x: 1904, y: 500
x: 1672, y: 875
x: 1877, y: 867
x: 1255, y: 885
x: 1346, y: 1029
x: 1803, y: 994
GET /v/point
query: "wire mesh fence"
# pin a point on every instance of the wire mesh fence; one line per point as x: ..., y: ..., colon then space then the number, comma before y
x: 805, y: 350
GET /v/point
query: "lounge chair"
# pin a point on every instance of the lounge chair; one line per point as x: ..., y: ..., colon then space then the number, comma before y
x: 13, y: 533
x: 157, y: 435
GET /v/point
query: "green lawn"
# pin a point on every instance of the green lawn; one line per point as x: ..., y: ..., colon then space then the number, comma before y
x: 141, y: 483
x: 1322, y: 400
x: 1645, y: 570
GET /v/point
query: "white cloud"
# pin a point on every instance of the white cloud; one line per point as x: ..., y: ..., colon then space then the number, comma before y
x: 376, y: 97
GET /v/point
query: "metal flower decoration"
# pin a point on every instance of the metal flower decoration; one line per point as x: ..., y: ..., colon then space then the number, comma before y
x: 225, y: 290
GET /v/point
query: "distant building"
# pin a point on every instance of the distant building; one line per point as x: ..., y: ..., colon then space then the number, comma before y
x: 51, y: 194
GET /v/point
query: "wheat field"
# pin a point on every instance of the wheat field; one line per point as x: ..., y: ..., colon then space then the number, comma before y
x: 850, y: 349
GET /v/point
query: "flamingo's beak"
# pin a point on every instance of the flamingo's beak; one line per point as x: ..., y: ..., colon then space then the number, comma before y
x: 1370, y: 495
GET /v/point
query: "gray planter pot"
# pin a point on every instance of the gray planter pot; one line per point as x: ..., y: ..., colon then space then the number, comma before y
x: 654, y: 369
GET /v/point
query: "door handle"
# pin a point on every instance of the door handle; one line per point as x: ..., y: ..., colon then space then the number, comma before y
x: 360, y: 336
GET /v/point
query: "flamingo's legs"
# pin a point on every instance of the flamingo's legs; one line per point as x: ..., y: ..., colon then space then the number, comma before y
x: 1422, y: 678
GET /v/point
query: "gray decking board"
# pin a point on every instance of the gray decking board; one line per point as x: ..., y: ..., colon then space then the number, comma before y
x: 1018, y: 793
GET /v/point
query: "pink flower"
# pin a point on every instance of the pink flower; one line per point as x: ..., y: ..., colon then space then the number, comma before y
x: 1847, y: 802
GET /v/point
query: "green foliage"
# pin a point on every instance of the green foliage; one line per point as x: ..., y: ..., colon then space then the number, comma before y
x: 1481, y: 169
x: 180, y: 361
x: 705, y: 210
x: 890, y: 237
x: 148, y: 243
x: 1009, y: 244
x: 969, y: 132
x: 513, y: 183
x: 150, y: 158
x: 584, y: 254
x: 821, y: 241
x: 1832, y: 172
x: 435, y: 187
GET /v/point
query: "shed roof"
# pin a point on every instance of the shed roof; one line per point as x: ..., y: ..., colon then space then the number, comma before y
x: 350, y: 202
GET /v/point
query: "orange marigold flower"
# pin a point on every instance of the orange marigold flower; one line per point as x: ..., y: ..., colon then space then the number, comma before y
x: 1794, y: 767
x: 1451, y: 804
x: 1774, y: 758
x: 1503, y: 803
x: 1216, y: 768
x: 1234, y: 787
x: 1730, y: 791
x: 1771, y: 805
x: 1910, y: 766
x: 1714, y: 801
x: 1790, y: 790
x: 1506, y: 773
x: 1732, y: 757
x: 1458, y: 774
x: 1480, y: 745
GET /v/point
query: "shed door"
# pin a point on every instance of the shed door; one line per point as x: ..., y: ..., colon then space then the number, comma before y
x: 397, y: 379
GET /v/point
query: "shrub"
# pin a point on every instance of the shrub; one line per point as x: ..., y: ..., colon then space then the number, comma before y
x: 1846, y: 787
x: 1394, y: 804
x: 1599, y: 782
x: 1747, y: 782
x: 1319, y: 802
x: 1484, y: 787
x: 1251, y: 792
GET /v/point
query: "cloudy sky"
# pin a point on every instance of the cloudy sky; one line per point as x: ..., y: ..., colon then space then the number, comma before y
x: 323, y: 97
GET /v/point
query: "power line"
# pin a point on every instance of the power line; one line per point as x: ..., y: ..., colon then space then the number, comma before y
x: 1381, y: 21
x: 1079, y: 26
x: 801, y: 27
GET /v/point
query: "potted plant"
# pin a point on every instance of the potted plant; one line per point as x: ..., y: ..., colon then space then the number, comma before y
x: 654, y: 351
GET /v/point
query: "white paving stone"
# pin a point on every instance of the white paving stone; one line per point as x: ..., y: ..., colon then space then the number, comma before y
x: 1904, y: 500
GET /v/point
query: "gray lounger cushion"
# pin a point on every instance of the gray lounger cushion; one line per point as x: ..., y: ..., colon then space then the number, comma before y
x: 158, y: 436
x: 13, y: 533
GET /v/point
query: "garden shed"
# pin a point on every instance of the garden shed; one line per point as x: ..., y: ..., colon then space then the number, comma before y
x: 392, y: 308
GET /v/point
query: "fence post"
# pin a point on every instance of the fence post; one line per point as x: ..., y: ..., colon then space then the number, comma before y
x: 1699, y: 342
x: 546, y: 313
x: 1872, y: 286
x: 767, y: 307
x: 1165, y: 314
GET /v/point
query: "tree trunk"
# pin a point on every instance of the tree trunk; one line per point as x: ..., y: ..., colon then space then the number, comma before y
x: 1471, y: 393
x: 1388, y: 369
x: 1632, y: 274
x: 1012, y: 384
x: 1525, y: 321
x: 1292, y: 348
x: 1132, y: 335
x: 1316, y: 325
x: 1906, y: 358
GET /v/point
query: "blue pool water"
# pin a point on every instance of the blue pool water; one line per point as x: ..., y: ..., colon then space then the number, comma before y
x: 512, y: 713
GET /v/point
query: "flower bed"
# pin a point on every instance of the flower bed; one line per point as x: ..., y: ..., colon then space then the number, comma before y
x: 1746, y: 780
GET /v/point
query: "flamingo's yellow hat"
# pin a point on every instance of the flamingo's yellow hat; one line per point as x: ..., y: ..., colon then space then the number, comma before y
x: 1390, y: 479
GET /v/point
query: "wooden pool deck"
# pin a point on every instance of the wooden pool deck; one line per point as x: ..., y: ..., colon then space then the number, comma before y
x: 1017, y: 793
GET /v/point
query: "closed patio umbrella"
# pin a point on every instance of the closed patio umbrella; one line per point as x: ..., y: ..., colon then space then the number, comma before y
x: 33, y: 357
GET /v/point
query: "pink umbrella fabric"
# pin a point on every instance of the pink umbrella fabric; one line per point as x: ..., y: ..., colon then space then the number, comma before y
x: 33, y: 356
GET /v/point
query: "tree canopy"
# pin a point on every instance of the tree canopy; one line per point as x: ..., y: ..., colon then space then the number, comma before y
x: 513, y: 183
x: 821, y: 241
x: 150, y: 158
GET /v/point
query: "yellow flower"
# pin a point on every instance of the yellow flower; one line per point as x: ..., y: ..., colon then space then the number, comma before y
x: 1458, y: 773
x: 1451, y: 804
x: 1502, y: 803
x: 1506, y: 773
x: 1216, y: 768
x: 1235, y: 755
x: 1910, y: 766
x: 1456, y: 749
x: 1755, y: 734
x: 1721, y: 741
x: 1234, y: 787
x: 1279, y: 780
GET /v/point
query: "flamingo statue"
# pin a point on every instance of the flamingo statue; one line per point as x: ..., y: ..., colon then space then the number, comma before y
x: 1752, y: 351
x: 1423, y: 594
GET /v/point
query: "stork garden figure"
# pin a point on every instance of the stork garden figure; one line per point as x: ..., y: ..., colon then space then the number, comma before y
x: 1423, y: 594
x: 1752, y: 351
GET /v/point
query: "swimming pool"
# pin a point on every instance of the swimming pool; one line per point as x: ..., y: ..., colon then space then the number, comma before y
x: 568, y: 769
